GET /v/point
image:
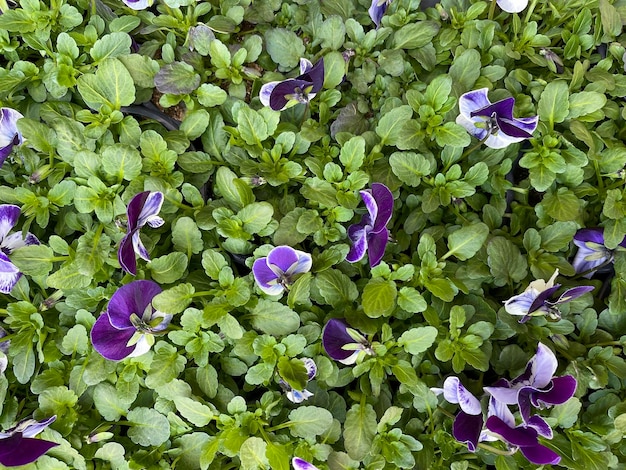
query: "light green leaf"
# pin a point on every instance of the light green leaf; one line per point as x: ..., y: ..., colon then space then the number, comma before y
x: 336, y: 288
x: 554, y: 103
x: 193, y: 411
x: 148, y: 427
x: 274, y: 318
x: 121, y: 161
x: 252, y: 454
x: 390, y: 125
x: 168, y: 268
x: 417, y: 340
x: 307, y: 421
x: 359, y: 431
x: 415, y: 35
x: 409, y: 167
x: 284, y: 47
x: 465, y: 242
x: 110, y: 45
x: 175, y: 299
x: 256, y: 216
x: 585, y: 102
x: 111, y: 85
x: 379, y: 297
x: 186, y: 236
x: 33, y: 260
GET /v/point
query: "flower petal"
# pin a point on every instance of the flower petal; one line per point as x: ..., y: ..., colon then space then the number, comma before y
x: 371, y: 204
x: 540, y: 455
x: 377, y: 10
x: 502, y: 108
x: 310, y: 366
x: 522, y: 128
x: 266, y: 92
x: 573, y: 293
x: 288, y: 90
x: 150, y: 209
x: 542, y: 367
x: 9, y: 274
x: 315, y: 76
x: 540, y: 301
x: 512, y: 6
x: 470, y: 126
x: 376, y: 244
x: 518, y: 436
x: 297, y: 396
x: 584, y: 235
x: 131, y: 298
x: 358, y: 236
x: 305, y: 65
x: 138, y: 4
x: 138, y: 246
x: 18, y: 450
x: 15, y: 241
x: 505, y: 395
x: 473, y: 101
x: 126, y: 255
x: 9, y: 214
x: 466, y: 428
x: 384, y: 204
x: 266, y: 279
x: 561, y: 390
x: 281, y: 259
x: 304, y: 264
x: 35, y: 427
x: 520, y: 304
x: 299, y: 464
x: 109, y: 341
x: 540, y: 425
x: 335, y: 337
x: 455, y: 392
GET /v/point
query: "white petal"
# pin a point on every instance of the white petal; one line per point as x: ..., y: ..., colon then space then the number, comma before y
x: 266, y: 92
x: 512, y: 6
x: 520, y: 304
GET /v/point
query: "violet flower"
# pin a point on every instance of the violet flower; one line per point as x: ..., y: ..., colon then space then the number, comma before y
x: 371, y: 233
x: 343, y: 343
x: 298, y: 396
x: 138, y: 4
x: 142, y: 209
x: 9, y: 274
x: 276, y: 272
x: 512, y: 6
x: 300, y: 464
x: 377, y: 10
x: 538, y: 387
x: 127, y: 327
x: 592, y: 255
x: 10, y: 136
x: 493, y: 122
x: 535, y: 300
x: 284, y: 94
x: 18, y: 446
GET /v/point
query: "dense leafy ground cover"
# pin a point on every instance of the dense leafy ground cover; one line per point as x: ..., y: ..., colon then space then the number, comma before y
x: 325, y: 234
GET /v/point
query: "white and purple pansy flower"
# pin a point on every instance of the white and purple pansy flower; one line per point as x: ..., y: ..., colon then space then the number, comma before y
x: 138, y: 4
x: 278, y: 270
x: 9, y: 273
x: 10, y: 136
x: 592, y: 255
x: 142, y: 209
x: 301, y: 464
x: 536, y: 299
x: 127, y: 327
x: 371, y: 233
x: 512, y: 6
x: 298, y: 396
x: 343, y: 343
x: 377, y: 10
x: 18, y: 445
x: 493, y: 123
x: 283, y: 94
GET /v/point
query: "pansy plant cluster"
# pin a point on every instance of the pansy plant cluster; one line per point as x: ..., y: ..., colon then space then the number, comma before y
x: 263, y: 235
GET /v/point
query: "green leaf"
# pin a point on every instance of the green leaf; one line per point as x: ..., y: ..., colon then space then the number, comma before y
x: 210, y: 95
x: 251, y: 126
x: 168, y: 268
x: 17, y: 20
x: 332, y: 33
x: 563, y: 205
x: 505, y: 261
x: 359, y: 431
x: 195, y: 123
x: 177, y: 78
x: 33, y: 260
x: 274, y: 318
x: 451, y: 134
x: 110, y: 45
x: 166, y: 365
x: 417, y: 340
x: 256, y: 216
x: 252, y: 454
x: 379, y: 297
x: 554, y: 103
x: 186, y: 236
x: 411, y: 300
x: 610, y: 16
x: 238, y: 196
x: 110, y: 86
x: 175, y: 299
x: 121, y: 161
x: 193, y: 411
x: 284, y: 47
x: 390, y: 125
x: 585, y: 102
x: 109, y: 403
x: 293, y: 372
x: 557, y: 236
x: 438, y: 92
x: 336, y: 288
x: 415, y: 35
x: 307, y: 421
x: 465, y: 242
x: 353, y: 153
x: 213, y: 262
x: 148, y: 427
x: 68, y: 277
x: 409, y: 167
x: 75, y: 341
x: 465, y: 70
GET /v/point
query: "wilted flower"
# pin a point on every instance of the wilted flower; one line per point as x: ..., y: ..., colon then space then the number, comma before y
x: 300, y: 464
x: 298, y: 396
x: 138, y: 4
x: 377, y: 10
x: 18, y: 446
x: 592, y: 254
x: 142, y: 209
x: 493, y: 122
x: 127, y: 327
x: 371, y: 233
x: 10, y: 136
x: 9, y: 274
x: 276, y: 272
x: 535, y: 300
x: 284, y: 94
x: 512, y: 6
x: 342, y: 343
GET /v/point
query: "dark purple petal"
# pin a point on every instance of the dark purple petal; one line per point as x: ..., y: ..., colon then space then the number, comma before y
x: 473, y: 101
x: 518, y: 436
x: 9, y: 214
x: 266, y: 278
x: 466, y: 429
x: 540, y: 425
x: 9, y: 274
x: 18, y: 450
x: 109, y: 341
x: 335, y: 337
x: 133, y: 211
x: 126, y: 254
x: 561, y: 390
x: 384, y: 202
x: 281, y: 259
x: 502, y: 108
x: 377, y: 11
x: 540, y: 300
x: 299, y: 464
x: 315, y: 76
x: 573, y: 293
x: 376, y: 244
x: 305, y: 66
x: 131, y: 298
x: 286, y: 91
x: 516, y: 127
x: 358, y: 236
x: 584, y: 235
x: 540, y: 455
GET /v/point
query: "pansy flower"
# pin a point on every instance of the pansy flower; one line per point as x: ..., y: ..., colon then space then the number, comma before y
x: 300, y: 464
x: 592, y: 254
x: 9, y: 274
x: 371, y: 234
x: 493, y: 122
x: 18, y: 446
x: 277, y: 271
x: 512, y: 6
x: 377, y: 10
x: 10, y: 136
x: 138, y: 4
x: 280, y: 95
x: 344, y: 344
x: 537, y: 299
x: 127, y: 327
x: 142, y: 209
x: 298, y: 396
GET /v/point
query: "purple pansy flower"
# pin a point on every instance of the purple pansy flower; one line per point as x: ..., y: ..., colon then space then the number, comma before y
x: 371, y: 233
x: 10, y: 136
x: 512, y: 6
x: 138, y: 4
x: 275, y: 272
x: 535, y: 300
x: 344, y: 344
x: 493, y: 122
x: 127, y: 327
x: 298, y: 396
x: 300, y: 464
x: 592, y: 253
x: 284, y: 94
x: 18, y: 446
x: 9, y: 274
x: 377, y: 10
x: 142, y: 209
